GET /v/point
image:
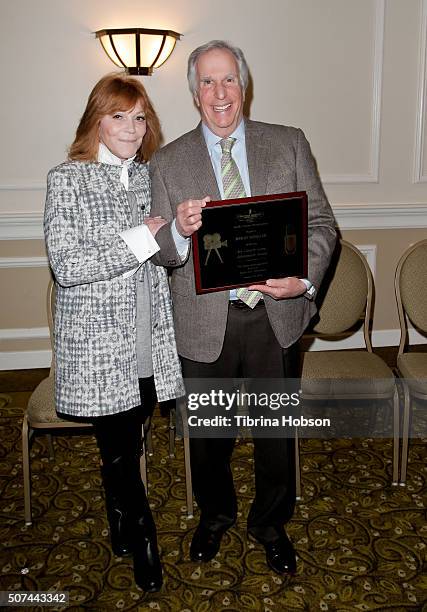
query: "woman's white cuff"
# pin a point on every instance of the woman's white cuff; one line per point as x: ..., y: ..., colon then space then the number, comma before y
x: 141, y: 242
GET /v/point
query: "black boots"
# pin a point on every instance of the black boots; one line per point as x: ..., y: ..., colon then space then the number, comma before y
x: 132, y: 528
x: 146, y: 561
x: 117, y: 513
x: 147, y: 568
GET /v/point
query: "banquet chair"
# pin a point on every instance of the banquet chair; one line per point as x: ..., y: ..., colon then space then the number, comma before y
x: 346, y: 297
x: 41, y: 416
x: 410, y: 285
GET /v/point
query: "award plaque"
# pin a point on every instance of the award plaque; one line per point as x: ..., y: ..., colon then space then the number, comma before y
x: 246, y: 241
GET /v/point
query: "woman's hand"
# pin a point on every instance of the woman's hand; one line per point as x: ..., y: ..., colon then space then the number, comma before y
x: 154, y: 224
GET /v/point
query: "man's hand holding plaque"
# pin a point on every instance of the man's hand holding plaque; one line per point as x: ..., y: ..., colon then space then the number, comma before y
x: 281, y: 288
x: 258, y: 242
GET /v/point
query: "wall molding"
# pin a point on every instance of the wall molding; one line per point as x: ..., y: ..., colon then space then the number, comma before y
x: 27, y: 360
x: 22, y: 333
x: 23, y: 262
x: 24, y: 186
x: 381, y: 216
x: 419, y: 176
x: 395, y: 215
x: 377, y: 76
x: 21, y: 226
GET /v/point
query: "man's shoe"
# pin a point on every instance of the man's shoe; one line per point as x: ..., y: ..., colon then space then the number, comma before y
x: 205, y: 544
x: 280, y: 555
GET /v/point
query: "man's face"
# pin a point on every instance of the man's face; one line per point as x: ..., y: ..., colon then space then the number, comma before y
x: 219, y: 95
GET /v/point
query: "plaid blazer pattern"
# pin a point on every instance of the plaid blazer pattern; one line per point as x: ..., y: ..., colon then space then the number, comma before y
x: 95, y: 312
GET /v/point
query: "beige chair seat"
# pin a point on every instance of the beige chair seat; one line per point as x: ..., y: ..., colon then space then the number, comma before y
x: 41, y: 407
x: 346, y: 374
x: 413, y: 368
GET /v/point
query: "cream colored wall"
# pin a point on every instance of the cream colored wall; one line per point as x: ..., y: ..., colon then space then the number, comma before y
x: 351, y: 74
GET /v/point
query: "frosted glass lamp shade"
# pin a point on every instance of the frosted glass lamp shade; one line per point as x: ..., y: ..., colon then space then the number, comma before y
x: 138, y: 50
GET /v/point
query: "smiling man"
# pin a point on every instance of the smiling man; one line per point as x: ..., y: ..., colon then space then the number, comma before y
x: 218, y: 92
x: 218, y: 335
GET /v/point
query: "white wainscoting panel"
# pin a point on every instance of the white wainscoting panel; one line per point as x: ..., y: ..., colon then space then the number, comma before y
x: 374, y: 157
x: 419, y: 174
x: 370, y: 253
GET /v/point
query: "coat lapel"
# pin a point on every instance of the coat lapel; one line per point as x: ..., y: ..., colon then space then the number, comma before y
x: 200, y: 164
x: 258, y: 155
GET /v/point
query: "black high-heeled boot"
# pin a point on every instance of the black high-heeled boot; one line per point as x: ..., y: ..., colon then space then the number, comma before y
x: 132, y: 526
x: 147, y: 568
x: 146, y: 559
x: 114, y: 477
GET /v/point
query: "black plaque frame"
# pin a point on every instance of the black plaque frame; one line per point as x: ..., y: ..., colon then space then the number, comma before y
x: 246, y: 241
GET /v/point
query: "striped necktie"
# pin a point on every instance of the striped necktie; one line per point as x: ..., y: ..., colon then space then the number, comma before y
x: 233, y: 188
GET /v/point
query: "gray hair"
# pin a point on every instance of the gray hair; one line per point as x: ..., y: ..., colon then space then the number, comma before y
x: 217, y: 44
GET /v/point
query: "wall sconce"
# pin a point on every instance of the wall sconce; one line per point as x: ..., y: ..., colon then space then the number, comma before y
x: 138, y: 50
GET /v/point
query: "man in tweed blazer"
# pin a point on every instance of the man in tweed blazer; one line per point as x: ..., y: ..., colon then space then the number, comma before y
x: 217, y: 335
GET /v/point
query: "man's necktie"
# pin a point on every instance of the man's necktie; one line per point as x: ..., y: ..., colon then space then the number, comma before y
x: 234, y: 188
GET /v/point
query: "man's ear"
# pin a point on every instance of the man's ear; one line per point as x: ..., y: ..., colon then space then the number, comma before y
x: 196, y: 100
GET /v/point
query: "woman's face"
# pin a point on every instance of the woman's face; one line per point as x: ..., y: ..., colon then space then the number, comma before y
x: 123, y: 131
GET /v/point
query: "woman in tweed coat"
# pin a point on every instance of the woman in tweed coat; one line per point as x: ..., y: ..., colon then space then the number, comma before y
x: 115, y: 351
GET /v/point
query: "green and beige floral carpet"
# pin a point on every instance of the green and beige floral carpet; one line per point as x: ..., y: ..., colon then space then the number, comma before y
x: 361, y: 543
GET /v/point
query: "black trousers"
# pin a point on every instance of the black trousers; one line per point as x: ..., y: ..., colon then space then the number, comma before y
x: 251, y: 351
x: 119, y: 438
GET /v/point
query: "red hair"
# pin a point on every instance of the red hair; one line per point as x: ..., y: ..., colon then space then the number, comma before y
x: 114, y: 92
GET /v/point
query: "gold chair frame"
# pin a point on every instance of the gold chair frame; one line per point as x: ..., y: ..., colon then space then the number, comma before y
x: 411, y: 296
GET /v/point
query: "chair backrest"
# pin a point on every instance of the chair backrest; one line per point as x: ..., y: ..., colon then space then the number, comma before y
x: 410, y: 284
x: 346, y: 293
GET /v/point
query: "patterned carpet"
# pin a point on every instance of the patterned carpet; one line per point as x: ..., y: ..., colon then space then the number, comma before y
x: 361, y: 543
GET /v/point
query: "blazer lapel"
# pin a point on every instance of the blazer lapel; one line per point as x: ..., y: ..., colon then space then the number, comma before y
x: 258, y: 155
x: 201, y: 165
